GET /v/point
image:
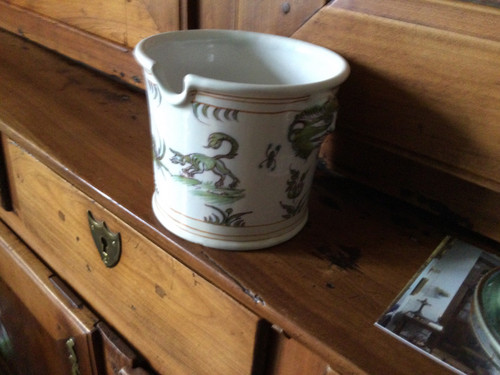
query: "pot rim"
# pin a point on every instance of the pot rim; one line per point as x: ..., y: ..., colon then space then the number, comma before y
x: 193, y: 82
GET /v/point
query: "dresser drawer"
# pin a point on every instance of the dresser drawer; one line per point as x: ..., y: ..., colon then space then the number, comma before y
x: 179, y: 321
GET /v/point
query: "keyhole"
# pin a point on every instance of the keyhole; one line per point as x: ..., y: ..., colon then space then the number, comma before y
x: 107, y: 243
x: 104, y: 244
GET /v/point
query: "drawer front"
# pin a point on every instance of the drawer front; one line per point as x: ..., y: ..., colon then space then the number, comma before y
x: 179, y: 321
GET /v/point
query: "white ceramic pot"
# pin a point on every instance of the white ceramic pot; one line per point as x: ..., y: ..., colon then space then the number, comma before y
x: 237, y: 119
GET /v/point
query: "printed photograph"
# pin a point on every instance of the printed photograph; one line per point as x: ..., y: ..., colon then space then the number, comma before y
x: 450, y: 310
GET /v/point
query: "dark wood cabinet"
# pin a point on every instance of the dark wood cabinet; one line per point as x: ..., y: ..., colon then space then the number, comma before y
x: 42, y: 331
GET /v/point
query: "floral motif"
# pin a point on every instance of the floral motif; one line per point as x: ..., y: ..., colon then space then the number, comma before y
x: 153, y: 91
x: 294, y: 189
x: 292, y: 209
x: 226, y: 218
x: 295, y: 183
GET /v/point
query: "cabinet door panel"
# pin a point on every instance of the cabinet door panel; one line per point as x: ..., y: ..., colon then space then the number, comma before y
x: 124, y: 22
x: 117, y: 355
x: 41, y: 332
x: 289, y: 357
x: 270, y: 16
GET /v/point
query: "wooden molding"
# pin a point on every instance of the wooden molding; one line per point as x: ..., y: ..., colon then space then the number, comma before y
x: 455, y: 16
x: 99, y: 53
x: 423, y: 93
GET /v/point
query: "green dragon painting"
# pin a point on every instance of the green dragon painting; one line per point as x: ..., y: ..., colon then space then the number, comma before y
x: 197, y: 163
x: 310, y: 127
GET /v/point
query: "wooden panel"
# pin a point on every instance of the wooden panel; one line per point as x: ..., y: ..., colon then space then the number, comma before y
x: 426, y: 92
x: 118, y: 357
x: 457, y: 201
x: 288, y: 357
x: 462, y: 18
x: 267, y: 16
x: 148, y: 17
x: 97, y: 33
x: 36, y: 318
x: 124, y: 22
x: 418, y: 92
x: 99, y: 53
x: 275, y: 16
x: 220, y: 14
x: 178, y: 320
x: 104, y: 18
x: 495, y: 3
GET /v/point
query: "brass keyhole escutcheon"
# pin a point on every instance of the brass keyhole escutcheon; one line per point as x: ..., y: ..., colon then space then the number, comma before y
x: 108, y: 243
x: 70, y: 344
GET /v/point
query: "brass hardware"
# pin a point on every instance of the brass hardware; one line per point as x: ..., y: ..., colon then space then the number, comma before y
x: 108, y: 243
x: 70, y: 344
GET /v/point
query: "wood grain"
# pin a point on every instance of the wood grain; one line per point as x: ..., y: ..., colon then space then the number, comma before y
x: 267, y: 16
x: 275, y: 16
x: 425, y: 92
x: 110, y: 58
x: 123, y: 22
x: 423, y: 89
x: 100, y: 34
x: 217, y: 14
x: 457, y: 17
x: 455, y: 200
x: 104, y: 18
x: 288, y: 357
x: 118, y: 356
x: 148, y: 17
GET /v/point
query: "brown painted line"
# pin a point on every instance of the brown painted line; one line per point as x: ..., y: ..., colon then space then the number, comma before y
x: 247, y: 99
x: 221, y: 236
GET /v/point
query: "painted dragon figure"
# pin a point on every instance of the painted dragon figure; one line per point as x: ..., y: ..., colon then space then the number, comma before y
x: 310, y: 127
x: 197, y: 163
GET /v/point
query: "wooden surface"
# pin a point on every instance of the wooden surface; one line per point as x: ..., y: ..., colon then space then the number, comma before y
x: 325, y: 288
x: 267, y: 16
x: 123, y: 22
x: 453, y: 16
x: 118, y: 356
x: 148, y: 292
x: 288, y: 357
x: 111, y: 58
x: 98, y: 33
x: 422, y: 99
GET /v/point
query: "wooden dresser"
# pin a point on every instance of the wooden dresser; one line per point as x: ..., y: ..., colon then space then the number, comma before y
x: 91, y: 283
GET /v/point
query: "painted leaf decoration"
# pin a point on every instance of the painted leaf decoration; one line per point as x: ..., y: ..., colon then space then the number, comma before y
x: 216, y: 113
x: 204, y: 109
